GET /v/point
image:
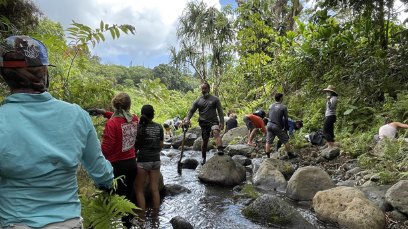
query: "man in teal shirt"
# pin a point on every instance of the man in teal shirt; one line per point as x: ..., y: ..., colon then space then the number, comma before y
x: 42, y: 142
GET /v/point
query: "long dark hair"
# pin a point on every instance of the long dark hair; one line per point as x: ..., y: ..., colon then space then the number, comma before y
x: 147, y: 114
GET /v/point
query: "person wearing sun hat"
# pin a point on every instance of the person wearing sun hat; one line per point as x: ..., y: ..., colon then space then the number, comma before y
x: 42, y: 142
x: 331, y: 107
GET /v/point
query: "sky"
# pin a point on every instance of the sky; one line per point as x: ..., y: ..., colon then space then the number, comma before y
x: 155, y: 22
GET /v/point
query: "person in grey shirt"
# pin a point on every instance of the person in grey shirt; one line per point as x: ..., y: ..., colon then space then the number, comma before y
x: 331, y: 107
x: 207, y: 106
x: 277, y: 127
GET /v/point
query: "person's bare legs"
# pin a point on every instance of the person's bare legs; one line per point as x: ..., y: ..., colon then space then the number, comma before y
x: 330, y: 144
x: 139, y: 187
x: 154, y: 176
x: 217, y: 137
x: 204, y: 150
x: 287, y: 147
x: 251, y: 136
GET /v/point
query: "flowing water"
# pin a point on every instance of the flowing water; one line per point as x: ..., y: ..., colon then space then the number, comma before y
x: 207, y: 206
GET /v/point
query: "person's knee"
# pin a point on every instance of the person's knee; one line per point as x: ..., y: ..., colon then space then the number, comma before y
x: 216, y: 133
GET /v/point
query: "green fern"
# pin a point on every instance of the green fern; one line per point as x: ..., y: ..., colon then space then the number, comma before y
x: 104, y: 210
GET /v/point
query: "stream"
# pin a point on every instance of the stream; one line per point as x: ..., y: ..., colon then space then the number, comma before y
x: 207, y: 206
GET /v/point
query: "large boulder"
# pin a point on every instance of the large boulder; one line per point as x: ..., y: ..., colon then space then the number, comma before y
x: 244, y: 161
x: 197, y: 144
x: 222, y: 170
x: 348, y: 207
x: 397, y: 195
x: 180, y: 223
x: 177, y: 141
x: 281, y: 166
x: 244, y: 150
x: 331, y: 153
x: 256, y: 163
x: 306, y: 182
x: 271, y: 210
x: 377, y: 195
x: 269, y: 179
x: 195, y: 130
x: 234, y: 134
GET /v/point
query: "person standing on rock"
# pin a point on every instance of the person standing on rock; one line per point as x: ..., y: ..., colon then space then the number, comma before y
x: 276, y: 127
x: 331, y: 107
x: 207, y: 106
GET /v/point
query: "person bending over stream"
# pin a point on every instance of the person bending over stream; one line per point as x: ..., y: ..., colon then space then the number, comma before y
x: 207, y: 106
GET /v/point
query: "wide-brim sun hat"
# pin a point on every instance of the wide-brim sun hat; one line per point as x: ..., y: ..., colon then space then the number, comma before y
x: 330, y: 88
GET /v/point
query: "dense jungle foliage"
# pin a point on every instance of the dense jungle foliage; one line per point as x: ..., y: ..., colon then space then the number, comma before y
x: 247, y: 54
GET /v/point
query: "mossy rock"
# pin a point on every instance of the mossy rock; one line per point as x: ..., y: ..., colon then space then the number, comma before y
x: 271, y: 210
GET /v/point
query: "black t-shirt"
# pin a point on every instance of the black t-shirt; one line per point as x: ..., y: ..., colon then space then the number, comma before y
x: 148, y: 142
x: 231, y: 123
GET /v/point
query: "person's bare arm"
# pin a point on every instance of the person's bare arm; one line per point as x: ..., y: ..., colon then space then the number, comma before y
x: 400, y: 125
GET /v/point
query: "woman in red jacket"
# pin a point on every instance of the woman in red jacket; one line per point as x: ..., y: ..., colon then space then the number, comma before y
x: 118, y: 145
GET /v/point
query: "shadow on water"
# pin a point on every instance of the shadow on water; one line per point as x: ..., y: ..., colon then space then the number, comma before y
x: 207, y: 206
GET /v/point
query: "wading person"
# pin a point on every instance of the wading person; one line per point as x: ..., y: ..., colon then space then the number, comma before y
x: 253, y: 123
x: 331, y: 107
x: 118, y: 146
x: 149, y: 142
x: 277, y: 127
x: 42, y: 142
x: 207, y: 106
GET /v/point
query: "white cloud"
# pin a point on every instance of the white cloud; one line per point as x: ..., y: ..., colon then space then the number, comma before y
x: 155, y: 22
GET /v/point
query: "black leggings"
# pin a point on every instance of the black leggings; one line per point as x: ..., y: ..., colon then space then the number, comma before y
x: 328, y: 128
x: 128, y: 168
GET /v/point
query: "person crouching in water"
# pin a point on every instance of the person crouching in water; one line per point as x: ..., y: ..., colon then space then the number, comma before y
x: 149, y: 142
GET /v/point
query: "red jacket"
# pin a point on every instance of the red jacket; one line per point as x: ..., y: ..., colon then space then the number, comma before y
x: 119, y: 138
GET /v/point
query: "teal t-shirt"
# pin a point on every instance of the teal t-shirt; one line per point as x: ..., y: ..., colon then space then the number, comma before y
x: 42, y: 142
x: 148, y: 142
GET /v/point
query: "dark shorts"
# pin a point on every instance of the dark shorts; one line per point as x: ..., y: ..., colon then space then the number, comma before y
x: 248, y: 123
x: 165, y: 125
x: 275, y: 131
x: 207, y: 128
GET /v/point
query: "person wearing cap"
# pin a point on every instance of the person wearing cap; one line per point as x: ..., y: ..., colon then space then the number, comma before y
x: 42, y: 142
x: 208, y: 105
x: 278, y: 126
x: 331, y: 107
x: 253, y: 123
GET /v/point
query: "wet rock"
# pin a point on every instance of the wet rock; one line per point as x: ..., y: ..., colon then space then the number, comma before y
x: 234, y: 134
x: 222, y: 170
x: 377, y: 195
x: 177, y: 140
x: 246, y: 195
x: 348, y: 207
x: 398, y: 216
x: 175, y: 189
x: 189, y: 163
x: 147, y: 192
x: 331, y: 153
x: 244, y: 150
x: 306, y: 182
x: 244, y: 161
x: 256, y: 162
x: 197, y: 144
x: 166, y: 145
x: 271, y: 210
x: 269, y: 179
x: 180, y: 223
x: 396, y: 196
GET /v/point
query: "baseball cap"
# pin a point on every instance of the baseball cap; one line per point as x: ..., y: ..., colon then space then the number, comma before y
x: 33, y: 50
